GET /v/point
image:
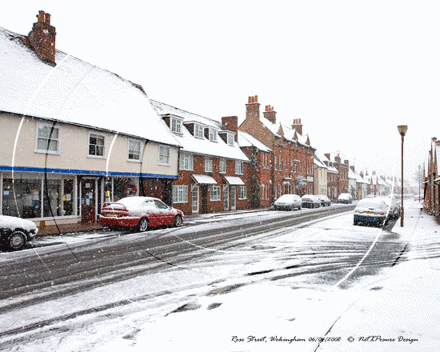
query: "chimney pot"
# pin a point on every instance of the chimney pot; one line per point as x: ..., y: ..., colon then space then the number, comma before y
x: 40, y: 16
x: 48, y: 18
x: 256, y: 99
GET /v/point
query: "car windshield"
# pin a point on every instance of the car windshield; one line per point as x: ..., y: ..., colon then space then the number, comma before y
x: 372, y: 203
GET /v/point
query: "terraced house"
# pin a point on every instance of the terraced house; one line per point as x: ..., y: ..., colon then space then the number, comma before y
x: 73, y: 135
x: 213, y: 170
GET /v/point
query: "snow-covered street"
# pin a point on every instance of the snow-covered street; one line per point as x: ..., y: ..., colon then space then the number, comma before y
x: 266, y: 294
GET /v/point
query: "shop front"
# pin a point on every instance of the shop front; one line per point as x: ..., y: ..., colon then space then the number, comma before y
x: 66, y: 198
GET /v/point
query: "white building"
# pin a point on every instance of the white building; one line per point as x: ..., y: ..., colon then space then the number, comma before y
x: 73, y: 135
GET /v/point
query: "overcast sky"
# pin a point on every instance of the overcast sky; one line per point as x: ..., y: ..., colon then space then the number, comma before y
x: 351, y: 70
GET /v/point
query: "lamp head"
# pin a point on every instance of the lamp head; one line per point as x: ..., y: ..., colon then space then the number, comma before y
x: 402, y: 129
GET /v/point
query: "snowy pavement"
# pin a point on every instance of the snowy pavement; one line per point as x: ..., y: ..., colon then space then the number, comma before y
x: 215, y: 304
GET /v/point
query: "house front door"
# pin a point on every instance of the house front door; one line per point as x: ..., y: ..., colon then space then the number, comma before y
x: 233, y: 198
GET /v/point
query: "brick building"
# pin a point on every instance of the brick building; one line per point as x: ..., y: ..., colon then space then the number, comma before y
x: 432, y: 182
x: 292, y: 162
x: 213, y: 170
x: 340, y: 180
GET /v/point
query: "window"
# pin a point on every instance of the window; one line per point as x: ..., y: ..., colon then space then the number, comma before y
x: 134, y: 150
x: 198, y: 131
x: 96, y: 145
x: 48, y: 139
x: 186, y: 161
x: 276, y: 163
x: 238, y: 167
x: 222, y: 166
x: 230, y: 139
x: 164, y: 155
x: 242, y: 192
x: 281, y: 164
x: 208, y: 164
x: 215, y: 193
x: 176, y: 125
x: 212, y: 135
x: 180, y: 194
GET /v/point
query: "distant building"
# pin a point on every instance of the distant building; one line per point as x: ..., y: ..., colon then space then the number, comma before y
x: 432, y: 183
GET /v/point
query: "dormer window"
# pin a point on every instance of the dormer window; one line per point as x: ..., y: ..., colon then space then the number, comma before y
x: 230, y: 139
x: 198, y: 131
x: 213, y: 135
x: 176, y: 125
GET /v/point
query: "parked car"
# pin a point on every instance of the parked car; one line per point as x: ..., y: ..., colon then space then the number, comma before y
x: 310, y: 201
x: 345, y: 198
x: 288, y: 202
x: 16, y: 232
x: 139, y: 212
x: 325, y: 201
x: 374, y: 211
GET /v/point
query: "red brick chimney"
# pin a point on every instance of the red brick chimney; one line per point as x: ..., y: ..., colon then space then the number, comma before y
x: 297, y: 125
x: 42, y: 38
x: 352, y: 168
x: 346, y: 162
x: 270, y: 114
x: 231, y: 124
x: 337, y: 158
x: 253, y: 108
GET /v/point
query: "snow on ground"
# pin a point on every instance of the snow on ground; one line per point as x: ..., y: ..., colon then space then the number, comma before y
x: 214, y: 304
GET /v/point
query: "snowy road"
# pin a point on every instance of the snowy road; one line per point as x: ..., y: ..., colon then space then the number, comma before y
x: 308, y: 258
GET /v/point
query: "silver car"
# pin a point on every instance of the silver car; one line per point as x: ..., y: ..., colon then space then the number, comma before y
x: 288, y: 202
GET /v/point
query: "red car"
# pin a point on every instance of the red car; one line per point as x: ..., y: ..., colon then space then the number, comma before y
x: 140, y: 213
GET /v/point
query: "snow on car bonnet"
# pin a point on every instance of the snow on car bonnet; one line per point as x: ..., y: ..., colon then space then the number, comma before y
x: 12, y: 223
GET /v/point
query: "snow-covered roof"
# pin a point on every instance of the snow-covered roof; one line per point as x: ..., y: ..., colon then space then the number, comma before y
x: 317, y: 161
x: 287, y: 132
x: 352, y: 174
x: 326, y: 161
x: 74, y: 92
x: 246, y: 140
x: 202, y: 145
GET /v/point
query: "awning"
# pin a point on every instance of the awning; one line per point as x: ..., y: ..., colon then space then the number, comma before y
x: 234, y: 180
x: 204, y: 179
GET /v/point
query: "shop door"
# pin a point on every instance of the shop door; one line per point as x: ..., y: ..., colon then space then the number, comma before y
x: 88, y: 199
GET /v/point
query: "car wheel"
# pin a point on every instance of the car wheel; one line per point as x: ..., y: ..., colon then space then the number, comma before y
x: 143, y: 224
x: 17, y: 240
x: 177, y: 221
x: 300, y: 207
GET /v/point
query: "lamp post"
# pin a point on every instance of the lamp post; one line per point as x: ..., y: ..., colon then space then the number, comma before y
x: 402, y: 130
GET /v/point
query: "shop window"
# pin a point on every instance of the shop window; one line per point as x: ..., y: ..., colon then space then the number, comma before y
x: 34, y: 196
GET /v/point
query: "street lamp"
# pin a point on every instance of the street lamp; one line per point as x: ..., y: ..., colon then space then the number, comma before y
x: 402, y: 130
